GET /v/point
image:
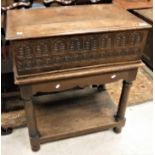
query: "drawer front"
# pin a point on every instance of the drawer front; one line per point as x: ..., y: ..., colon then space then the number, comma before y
x: 66, y: 52
x: 61, y: 85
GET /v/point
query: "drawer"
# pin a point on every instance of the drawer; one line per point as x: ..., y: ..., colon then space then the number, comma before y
x: 60, y: 85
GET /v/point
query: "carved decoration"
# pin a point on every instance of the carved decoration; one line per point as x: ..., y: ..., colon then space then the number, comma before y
x: 56, y: 53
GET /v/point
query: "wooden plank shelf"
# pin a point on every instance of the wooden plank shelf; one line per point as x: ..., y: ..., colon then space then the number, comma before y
x: 74, y: 113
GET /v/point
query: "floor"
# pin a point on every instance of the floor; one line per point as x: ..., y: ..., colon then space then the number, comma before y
x: 135, y: 139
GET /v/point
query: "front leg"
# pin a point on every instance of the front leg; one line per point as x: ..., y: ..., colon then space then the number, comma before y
x: 122, y: 104
x: 26, y: 92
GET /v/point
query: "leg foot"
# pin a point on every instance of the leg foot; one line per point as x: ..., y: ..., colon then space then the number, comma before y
x: 117, y: 130
x: 35, y: 144
x: 120, y: 116
x: 35, y: 148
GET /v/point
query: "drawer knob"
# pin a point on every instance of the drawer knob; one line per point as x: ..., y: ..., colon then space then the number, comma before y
x: 57, y: 86
x: 113, y: 76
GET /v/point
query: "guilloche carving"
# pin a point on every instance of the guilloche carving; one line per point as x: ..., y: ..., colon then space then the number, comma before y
x: 50, y: 54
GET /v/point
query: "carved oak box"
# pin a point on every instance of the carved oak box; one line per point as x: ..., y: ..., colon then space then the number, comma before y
x: 73, y: 37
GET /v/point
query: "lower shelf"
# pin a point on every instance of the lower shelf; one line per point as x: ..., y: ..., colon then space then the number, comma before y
x: 74, y: 113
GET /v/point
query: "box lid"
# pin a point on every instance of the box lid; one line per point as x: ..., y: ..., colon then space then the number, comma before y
x: 49, y: 22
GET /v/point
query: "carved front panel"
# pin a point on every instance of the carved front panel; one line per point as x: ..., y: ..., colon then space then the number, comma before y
x: 52, y: 54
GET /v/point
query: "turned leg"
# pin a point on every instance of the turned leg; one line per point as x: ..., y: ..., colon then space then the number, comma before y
x: 120, y: 116
x: 26, y: 93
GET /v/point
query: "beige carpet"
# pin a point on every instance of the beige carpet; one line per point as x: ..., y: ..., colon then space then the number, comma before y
x: 141, y: 90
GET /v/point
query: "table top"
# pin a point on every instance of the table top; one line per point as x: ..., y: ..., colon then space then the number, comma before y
x: 134, y: 4
x: 146, y: 13
x: 68, y: 20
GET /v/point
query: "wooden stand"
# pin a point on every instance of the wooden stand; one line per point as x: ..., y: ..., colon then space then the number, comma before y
x: 67, y: 51
x: 76, y: 112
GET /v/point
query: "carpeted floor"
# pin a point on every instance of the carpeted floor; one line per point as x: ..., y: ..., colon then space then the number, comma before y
x: 141, y: 90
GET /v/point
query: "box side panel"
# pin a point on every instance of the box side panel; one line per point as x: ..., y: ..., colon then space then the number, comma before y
x: 67, y: 52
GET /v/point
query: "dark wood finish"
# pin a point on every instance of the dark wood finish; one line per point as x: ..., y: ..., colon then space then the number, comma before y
x: 147, y: 15
x: 122, y: 104
x: 26, y: 94
x: 6, y: 131
x: 148, y: 50
x: 134, y: 4
x: 43, y: 55
x: 81, y: 74
x: 85, y: 44
x: 2, y: 21
x: 10, y: 94
x: 83, y: 49
x: 84, y: 81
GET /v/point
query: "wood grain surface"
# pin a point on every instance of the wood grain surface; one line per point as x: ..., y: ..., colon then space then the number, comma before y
x: 24, y: 24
